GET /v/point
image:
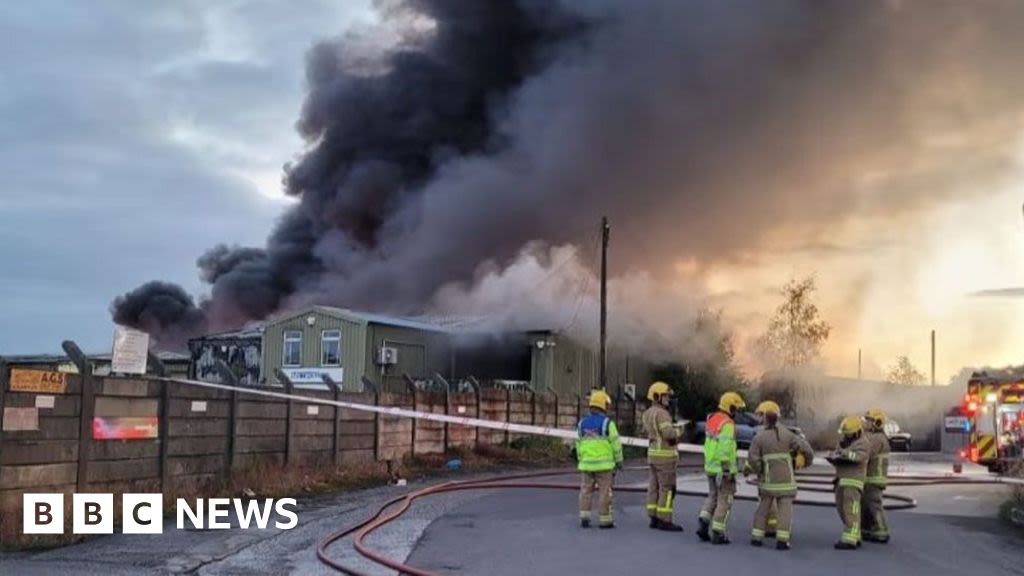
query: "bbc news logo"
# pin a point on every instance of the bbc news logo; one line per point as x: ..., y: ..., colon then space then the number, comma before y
x: 144, y: 513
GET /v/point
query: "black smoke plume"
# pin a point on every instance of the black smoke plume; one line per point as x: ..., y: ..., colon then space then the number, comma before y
x: 162, y: 309
x: 700, y: 127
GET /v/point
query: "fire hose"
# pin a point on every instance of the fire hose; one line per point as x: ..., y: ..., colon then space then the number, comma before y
x: 394, y: 508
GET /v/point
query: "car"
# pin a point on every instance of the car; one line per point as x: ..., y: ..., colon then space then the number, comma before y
x: 898, y: 439
x: 747, y: 426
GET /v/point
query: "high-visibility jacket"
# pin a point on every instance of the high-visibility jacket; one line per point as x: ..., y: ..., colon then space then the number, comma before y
x: 851, y: 463
x: 878, y: 458
x: 598, y: 447
x: 720, y: 444
x: 771, y: 457
x: 661, y: 434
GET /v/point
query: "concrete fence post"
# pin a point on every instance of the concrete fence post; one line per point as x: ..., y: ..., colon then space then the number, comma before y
x: 228, y: 377
x: 447, y: 403
x: 336, y: 427
x: 476, y: 392
x: 508, y: 415
x: 163, y: 427
x: 532, y: 407
x: 86, y: 412
x: 4, y: 379
x: 289, y: 427
x: 376, y: 424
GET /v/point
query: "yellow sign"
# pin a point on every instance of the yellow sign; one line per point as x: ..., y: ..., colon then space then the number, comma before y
x: 23, y: 380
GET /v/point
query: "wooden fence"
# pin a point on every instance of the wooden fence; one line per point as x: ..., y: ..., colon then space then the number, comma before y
x: 82, y: 433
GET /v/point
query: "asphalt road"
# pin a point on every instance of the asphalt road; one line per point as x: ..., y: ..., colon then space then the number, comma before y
x: 536, y: 532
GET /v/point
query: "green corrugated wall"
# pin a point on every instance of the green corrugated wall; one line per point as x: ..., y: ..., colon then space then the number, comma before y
x: 353, y: 344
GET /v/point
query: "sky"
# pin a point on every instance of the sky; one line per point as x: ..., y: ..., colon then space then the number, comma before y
x: 135, y: 136
x: 138, y: 135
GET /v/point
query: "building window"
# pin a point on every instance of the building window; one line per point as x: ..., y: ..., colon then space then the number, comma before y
x: 293, y: 348
x: 330, y: 348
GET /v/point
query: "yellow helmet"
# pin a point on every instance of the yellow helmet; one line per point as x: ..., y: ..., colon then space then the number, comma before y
x: 768, y: 407
x: 731, y: 400
x: 657, y: 389
x: 851, y: 425
x: 600, y: 399
x: 876, y: 415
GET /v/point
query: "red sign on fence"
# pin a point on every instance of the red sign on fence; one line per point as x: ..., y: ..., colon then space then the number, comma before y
x: 124, y: 428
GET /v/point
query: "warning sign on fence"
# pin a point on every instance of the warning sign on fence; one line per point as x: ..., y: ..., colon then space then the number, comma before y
x: 130, y: 348
x: 24, y: 380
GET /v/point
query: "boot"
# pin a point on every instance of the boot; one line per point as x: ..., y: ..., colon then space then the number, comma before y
x: 782, y: 546
x: 655, y: 523
x: 606, y: 526
x: 756, y: 543
x: 584, y: 522
x: 670, y: 527
x: 719, y: 538
x: 876, y: 539
x: 845, y: 546
x: 702, y: 531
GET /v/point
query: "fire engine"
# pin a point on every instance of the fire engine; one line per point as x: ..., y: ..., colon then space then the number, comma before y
x: 994, y: 407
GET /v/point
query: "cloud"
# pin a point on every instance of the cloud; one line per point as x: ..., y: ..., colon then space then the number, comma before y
x: 135, y: 136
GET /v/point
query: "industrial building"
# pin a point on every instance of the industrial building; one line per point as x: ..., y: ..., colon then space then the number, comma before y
x: 362, y: 350
x: 176, y: 365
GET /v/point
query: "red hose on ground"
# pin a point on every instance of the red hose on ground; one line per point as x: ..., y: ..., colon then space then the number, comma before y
x: 388, y: 513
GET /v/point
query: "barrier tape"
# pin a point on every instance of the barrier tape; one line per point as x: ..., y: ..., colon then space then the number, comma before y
x: 432, y: 416
x: 478, y: 422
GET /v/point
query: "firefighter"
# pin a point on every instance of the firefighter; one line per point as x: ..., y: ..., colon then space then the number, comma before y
x: 599, y: 452
x: 662, y: 457
x: 720, y: 467
x: 850, y: 459
x: 874, y: 526
x: 771, y: 458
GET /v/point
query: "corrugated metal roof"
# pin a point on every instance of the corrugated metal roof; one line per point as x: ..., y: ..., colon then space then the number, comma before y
x: 104, y: 357
x: 384, y: 319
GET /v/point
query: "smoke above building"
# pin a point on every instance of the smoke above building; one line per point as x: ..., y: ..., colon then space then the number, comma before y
x: 492, y: 136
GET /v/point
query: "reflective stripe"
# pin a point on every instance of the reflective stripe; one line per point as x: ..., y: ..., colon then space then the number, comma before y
x: 718, y: 526
x: 661, y: 452
x: 585, y: 514
x: 777, y: 456
x: 851, y: 483
x: 705, y: 515
x: 850, y: 538
x: 757, y: 533
x: 877, y: 480
x: 651, y: 507
x: 778, y: 487
x: 782, y: 535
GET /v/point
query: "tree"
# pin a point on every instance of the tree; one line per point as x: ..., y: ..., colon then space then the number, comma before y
x: 795, y: 333
x: 904, y: 373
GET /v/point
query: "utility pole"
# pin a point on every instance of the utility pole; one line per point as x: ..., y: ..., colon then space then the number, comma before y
x: 933, y: 357
x: 859, y: 358
x: 602, y: 377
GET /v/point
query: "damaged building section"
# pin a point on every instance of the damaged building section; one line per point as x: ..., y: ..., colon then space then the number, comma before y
x: 241, y: 350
